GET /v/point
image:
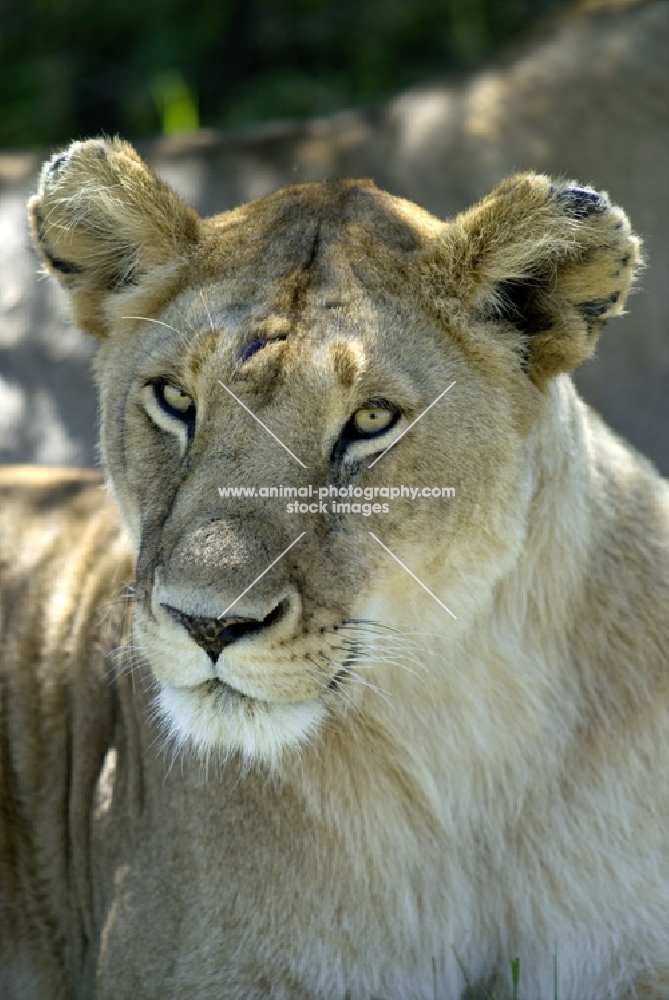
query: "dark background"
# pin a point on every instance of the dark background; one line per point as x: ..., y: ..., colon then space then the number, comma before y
x: 72, y: 68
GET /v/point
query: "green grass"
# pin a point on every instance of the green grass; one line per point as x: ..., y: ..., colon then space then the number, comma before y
x: 472, y: 994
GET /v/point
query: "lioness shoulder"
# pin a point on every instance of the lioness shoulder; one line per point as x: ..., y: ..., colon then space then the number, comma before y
x: 364, y: 691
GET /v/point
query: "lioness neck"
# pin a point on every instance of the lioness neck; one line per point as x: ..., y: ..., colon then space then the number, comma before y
x: 536, y: 646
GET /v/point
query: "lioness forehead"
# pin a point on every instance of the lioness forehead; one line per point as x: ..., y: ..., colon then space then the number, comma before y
x: 288, y: 264
x: 328, y: 235
x: 308, y: 322
x: 284, y: 225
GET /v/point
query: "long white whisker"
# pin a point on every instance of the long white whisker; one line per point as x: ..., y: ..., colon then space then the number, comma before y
x: 390, y: 651
x: 368, y: 684
x: 206, y: 309
x: 158, y: 322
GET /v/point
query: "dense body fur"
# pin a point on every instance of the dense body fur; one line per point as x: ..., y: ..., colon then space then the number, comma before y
x: 361, y: 794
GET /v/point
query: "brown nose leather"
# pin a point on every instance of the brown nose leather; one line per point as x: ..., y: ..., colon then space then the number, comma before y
x: 214, y: 634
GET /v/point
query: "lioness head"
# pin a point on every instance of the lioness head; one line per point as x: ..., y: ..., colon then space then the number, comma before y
x: 291, y: 343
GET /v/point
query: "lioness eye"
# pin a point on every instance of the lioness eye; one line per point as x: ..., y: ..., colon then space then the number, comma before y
x: 174, y: 401
x: 367, y: 423
x: 373, y: 420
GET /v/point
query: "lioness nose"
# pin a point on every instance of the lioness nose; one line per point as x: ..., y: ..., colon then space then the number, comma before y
x: 214, y: 634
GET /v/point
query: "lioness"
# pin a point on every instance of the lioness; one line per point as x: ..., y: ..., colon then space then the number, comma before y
x: 314, y: 753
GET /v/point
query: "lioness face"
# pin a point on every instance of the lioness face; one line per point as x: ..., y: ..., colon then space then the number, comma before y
x: 181, y: 421
x: 291, y: 343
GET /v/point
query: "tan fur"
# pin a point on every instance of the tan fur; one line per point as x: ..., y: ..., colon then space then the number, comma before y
x: 366, y: 793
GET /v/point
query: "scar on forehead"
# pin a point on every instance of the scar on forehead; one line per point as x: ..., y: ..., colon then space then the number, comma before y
x: 256, y: 345
x: 265, y: 331
x: 345, y: 364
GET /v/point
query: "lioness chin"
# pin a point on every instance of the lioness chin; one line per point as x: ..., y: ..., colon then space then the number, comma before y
x: 316, y: 751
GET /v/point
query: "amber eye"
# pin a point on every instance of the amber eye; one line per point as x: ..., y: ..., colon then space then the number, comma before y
x: 174, y: 402
x: 372, y: 420
x: 366, y: 424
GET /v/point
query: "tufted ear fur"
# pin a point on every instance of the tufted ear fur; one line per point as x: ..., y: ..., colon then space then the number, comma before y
x: 542, y: 263
x: 108, y: 228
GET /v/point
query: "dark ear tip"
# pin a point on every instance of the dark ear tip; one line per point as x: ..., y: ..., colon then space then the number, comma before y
x: 581, y: 202
x: 55, y: 165
x: 53, y: 168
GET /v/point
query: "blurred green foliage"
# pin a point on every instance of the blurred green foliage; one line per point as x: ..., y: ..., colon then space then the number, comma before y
x: 70, y: 68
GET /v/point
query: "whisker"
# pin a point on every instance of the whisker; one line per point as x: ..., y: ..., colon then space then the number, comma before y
x: 393, y: 653
x: 381, y: 656
x: 158, y: 322
x: 400, y: 636
x: 370, y: 621
x: 394, y: 649
x: 368, y: 684
x: 206, y: 309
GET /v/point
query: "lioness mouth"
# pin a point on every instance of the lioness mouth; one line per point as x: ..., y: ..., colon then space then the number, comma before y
x: 216, y: 686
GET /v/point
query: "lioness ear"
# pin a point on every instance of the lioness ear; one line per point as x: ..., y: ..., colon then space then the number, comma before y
x: 545, y: 261
x: 105, y: 225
